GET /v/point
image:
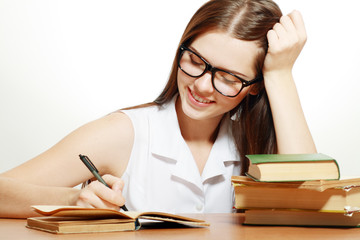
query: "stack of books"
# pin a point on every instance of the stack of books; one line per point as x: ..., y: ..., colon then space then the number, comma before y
x: 297, y: 190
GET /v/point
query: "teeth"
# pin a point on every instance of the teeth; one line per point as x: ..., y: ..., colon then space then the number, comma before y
x: 199, y: 99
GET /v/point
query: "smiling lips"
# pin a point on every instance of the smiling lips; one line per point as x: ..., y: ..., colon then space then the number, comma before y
x: 198, y: 100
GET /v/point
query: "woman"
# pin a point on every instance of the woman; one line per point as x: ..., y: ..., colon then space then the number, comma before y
x: 177, y: 154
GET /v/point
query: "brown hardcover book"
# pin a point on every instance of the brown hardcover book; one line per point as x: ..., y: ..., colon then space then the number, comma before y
x: 292, y: 167
x: 79, y: 225
x: 74, y: 219
x: 284, y: 217
x: 313, y: 195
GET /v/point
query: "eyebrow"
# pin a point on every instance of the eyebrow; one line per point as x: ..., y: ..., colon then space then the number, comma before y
x: 224, y: 69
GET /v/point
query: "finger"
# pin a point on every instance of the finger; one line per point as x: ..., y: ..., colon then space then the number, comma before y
x: 99, y: 203
x: 88, y: 199
x: 273, y: 40
x: 82, y: 203
x: 288, y: 24
x: 298, y: 21
x: 116, y: 184
x: 292, y: 33
x: 106, y: 194
x: 280, y: 31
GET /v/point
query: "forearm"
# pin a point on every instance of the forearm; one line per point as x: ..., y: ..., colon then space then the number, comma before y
x: 292, y: 132
x: 286, y: 40
x: 16, y: 197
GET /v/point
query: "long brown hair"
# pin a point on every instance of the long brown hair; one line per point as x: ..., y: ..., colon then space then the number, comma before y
x: 249, y: 20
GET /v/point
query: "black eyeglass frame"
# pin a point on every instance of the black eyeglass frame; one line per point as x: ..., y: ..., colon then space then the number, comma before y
x: 213, y: 70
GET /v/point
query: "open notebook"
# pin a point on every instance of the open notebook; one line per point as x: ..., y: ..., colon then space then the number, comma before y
x: 74, y: 219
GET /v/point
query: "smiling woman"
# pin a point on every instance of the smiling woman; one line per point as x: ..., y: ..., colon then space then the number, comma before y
x: 178, y: 153
x: 200, y: 95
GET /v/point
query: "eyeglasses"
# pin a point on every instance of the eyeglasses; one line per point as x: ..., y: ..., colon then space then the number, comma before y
x: 226, y: 83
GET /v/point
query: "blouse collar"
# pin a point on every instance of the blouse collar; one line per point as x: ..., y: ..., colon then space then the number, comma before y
x: 168, y: 144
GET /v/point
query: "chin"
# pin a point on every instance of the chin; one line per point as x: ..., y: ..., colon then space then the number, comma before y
x: 200, y: 115
x: 192, y: 113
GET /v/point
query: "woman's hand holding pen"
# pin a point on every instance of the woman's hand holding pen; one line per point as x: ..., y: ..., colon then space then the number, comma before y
x: 97, y: 195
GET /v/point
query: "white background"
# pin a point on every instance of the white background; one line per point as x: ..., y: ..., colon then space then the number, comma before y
x: 66, y: 62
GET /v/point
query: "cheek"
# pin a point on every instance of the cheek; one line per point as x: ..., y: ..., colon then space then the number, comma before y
x: 180, y: 78
x: 183, y: 79
x: 231, y: 103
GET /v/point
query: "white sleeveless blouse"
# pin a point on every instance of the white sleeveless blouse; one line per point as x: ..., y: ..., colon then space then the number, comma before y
x: 162, y: 175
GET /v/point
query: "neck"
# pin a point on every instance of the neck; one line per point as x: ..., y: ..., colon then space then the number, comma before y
x: 194, y: 130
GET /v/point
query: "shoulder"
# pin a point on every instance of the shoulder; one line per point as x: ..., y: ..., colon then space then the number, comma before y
x: 139, y: 116
x: 110, y: 125
x: 140, y: 111
x: 123, y: 120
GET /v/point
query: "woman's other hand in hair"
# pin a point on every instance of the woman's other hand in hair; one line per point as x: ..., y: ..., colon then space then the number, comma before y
x: 286, y: 40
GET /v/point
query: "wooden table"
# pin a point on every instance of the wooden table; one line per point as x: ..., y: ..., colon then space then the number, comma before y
x: 222, y: 227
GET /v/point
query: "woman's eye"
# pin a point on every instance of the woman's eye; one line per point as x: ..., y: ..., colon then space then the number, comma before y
x: 196, y: 61
x: 228, y: 81
x: 226, y: 78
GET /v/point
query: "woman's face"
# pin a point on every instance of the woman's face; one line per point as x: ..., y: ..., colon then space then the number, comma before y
x: 198, y: 98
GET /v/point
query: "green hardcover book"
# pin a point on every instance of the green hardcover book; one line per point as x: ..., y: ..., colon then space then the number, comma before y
x: 292, y: 167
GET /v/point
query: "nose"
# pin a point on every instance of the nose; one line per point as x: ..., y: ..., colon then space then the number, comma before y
x: 204, y: 85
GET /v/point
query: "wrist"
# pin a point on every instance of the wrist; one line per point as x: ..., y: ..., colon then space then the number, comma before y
x: 279, y: 81
x: 72, y: 196
x: 277, y: 75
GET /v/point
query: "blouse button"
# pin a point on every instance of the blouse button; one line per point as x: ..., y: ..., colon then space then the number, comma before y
x: 199, y: 207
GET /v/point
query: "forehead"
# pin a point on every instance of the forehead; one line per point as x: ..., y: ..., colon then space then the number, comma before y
x: 224, y: 51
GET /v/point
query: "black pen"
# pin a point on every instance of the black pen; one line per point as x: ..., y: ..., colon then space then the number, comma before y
x: 95, y: 172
